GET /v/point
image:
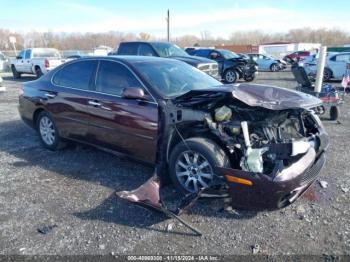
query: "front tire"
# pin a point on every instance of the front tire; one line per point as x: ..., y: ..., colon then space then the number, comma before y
x: 193, y: 162
x: 327, y: 74
x: 15, y: 73
x: 231, y: 76
x: 48, y: 132
x: 38, y: 72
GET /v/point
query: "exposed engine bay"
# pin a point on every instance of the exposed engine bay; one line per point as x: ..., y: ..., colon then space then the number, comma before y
x: 257, y: 139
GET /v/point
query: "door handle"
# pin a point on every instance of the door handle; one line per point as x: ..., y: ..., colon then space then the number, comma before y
x: 93, y: 103
x: 48, y: 95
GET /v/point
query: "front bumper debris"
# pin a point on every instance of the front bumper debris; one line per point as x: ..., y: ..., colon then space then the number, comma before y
x: 266, y: 192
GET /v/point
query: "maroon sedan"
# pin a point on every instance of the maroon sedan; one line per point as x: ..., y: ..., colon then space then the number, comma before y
x: 263, y: 144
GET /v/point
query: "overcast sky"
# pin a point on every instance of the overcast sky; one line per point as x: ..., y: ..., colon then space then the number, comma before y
x: 220, y: 17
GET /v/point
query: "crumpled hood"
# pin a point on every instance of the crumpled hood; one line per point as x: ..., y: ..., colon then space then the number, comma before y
x: 270, y: 97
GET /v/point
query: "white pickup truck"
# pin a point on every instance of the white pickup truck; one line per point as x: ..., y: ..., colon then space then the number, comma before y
x: 37, y: 61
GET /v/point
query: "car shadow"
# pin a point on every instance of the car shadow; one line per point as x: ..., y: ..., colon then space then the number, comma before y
x: 105, y: 169
x: 23, y: 78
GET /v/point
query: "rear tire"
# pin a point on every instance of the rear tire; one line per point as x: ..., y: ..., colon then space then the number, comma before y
x: 15, y: 73
x: 192, y: 164
x: 38, y: 72
x: 327, y: 74
x: 48, y: 132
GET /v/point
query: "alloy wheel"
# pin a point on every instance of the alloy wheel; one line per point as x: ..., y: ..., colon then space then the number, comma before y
x: 230, y: 76
x: 47, y: 130
x: 274, y: 68
x: 193, y: 171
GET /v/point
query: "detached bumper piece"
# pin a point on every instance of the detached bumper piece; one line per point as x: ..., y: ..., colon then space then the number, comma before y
x: 147, y: 195
x: 259, y: 191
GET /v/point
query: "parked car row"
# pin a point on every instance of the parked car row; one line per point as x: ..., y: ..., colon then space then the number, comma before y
x: 221, y: 64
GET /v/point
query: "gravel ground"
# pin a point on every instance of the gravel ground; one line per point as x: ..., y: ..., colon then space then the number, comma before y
x: 74, y: 190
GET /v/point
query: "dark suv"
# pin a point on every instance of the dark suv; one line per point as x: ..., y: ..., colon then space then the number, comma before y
x: 231, y: 66
x: 167, y: 50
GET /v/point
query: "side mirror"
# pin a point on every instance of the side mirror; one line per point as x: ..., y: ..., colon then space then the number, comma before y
x: 19, y: 57
x: 134, y: 93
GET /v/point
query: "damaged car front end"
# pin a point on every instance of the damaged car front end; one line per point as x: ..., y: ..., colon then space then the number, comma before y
x: 261, y: 145
x: 274, y: 141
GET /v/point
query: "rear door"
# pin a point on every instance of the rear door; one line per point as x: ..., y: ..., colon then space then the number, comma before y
x: 126, y: 125
x: 20, y: 61
x: 68, y: 100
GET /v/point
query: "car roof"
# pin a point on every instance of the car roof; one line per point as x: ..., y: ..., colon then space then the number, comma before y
x: 129, y: 58
x: 146, y: 42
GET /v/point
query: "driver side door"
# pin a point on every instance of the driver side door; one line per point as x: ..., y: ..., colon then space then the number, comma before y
x: 20, y: 61
x: 129, y: 126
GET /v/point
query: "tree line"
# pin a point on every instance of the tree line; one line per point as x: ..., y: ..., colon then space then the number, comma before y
x: 88, y: 41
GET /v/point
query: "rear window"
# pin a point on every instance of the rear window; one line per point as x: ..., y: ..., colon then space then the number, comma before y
x: 76, y: 75
x: 128, y: 49
x: 46, y: 53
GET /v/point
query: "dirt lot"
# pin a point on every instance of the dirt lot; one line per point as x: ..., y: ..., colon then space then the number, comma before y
x: 74, y: 190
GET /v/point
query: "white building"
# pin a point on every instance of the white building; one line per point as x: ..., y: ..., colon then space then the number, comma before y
x: 280, y: 49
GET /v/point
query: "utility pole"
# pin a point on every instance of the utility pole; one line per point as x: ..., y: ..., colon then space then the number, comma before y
x: 168, y: 25
x: 320, y: 69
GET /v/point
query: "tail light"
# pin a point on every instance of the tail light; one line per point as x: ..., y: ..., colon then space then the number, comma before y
x: 47, y: 63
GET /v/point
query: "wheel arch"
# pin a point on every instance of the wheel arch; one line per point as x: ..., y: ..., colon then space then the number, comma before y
x: 186, y: 133
x: 330, y: 70
x: 36, y: 114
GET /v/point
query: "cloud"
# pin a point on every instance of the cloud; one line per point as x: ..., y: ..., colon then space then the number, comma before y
x: 220, y: 21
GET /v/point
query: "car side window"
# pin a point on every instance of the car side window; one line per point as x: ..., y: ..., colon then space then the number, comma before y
x: 128, y: 49
x: 342, y: 58
x: 214, y: 55
x: 28, y: 54
x: 202, y: 52
x: 76, y: 75
x: 21, y: 54
x: 146, y: 50
x: 113, y: 78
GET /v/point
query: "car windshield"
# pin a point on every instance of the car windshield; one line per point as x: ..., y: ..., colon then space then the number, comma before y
x: 168, y: 50
x: 174, y: 78
x: 46, y: 53
x: 228, y: 54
